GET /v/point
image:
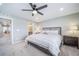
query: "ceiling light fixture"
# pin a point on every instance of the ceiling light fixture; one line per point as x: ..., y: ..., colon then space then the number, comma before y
x: 34, y: 12
x: 61, y: 9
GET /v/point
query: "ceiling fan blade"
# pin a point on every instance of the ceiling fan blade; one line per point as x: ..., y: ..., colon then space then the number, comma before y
x: 31, y: 5
x: 39, y: 8
x: 40, y: 13
x: 27, y: 10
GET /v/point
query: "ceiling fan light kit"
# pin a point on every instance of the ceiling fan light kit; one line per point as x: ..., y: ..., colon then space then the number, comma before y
x: 34, y: 12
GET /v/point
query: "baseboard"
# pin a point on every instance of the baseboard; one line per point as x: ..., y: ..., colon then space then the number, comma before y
x: 18, y: 41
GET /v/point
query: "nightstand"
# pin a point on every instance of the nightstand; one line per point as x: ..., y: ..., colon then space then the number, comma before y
x: 71, y: 40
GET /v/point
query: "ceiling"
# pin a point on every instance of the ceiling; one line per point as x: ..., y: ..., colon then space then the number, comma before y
x: 52, y: 11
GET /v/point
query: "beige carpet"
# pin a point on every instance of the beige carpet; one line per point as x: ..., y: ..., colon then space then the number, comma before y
x: 20, y: 49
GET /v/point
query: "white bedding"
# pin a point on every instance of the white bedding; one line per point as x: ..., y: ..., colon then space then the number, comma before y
x: 50, y: 42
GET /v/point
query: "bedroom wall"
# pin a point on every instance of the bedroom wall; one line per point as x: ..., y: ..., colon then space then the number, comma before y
x: 20, y: 29
x: 65, y: 22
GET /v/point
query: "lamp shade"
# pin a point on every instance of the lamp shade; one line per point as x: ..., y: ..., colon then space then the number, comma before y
x: 74, y: 28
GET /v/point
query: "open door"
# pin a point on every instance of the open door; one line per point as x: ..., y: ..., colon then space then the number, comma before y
x: 5, y: 31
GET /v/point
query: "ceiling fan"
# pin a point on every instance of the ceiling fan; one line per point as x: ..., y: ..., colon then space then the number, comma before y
x: 34, y: 9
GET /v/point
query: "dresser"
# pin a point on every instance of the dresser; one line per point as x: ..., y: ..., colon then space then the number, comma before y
x: 71, y: 40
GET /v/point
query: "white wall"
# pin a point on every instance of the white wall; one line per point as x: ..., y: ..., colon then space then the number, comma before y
x: 20, y: 29
x: 65, y: 22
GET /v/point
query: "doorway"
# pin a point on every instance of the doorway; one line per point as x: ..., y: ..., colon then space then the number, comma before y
x: 5, y: 31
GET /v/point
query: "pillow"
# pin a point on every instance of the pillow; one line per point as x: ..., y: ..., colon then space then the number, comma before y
x: 37, y: 32
x: 51, y: 32
x: 45, y: 33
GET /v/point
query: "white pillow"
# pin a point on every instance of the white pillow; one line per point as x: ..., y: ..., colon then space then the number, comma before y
x: 44, y: 32
x: 51, y: 32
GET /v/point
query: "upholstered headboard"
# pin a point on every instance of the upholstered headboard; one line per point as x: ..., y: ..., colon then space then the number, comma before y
x: 52, y: 28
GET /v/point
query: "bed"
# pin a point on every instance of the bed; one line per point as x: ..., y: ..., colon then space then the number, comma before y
x: 49, y: 40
